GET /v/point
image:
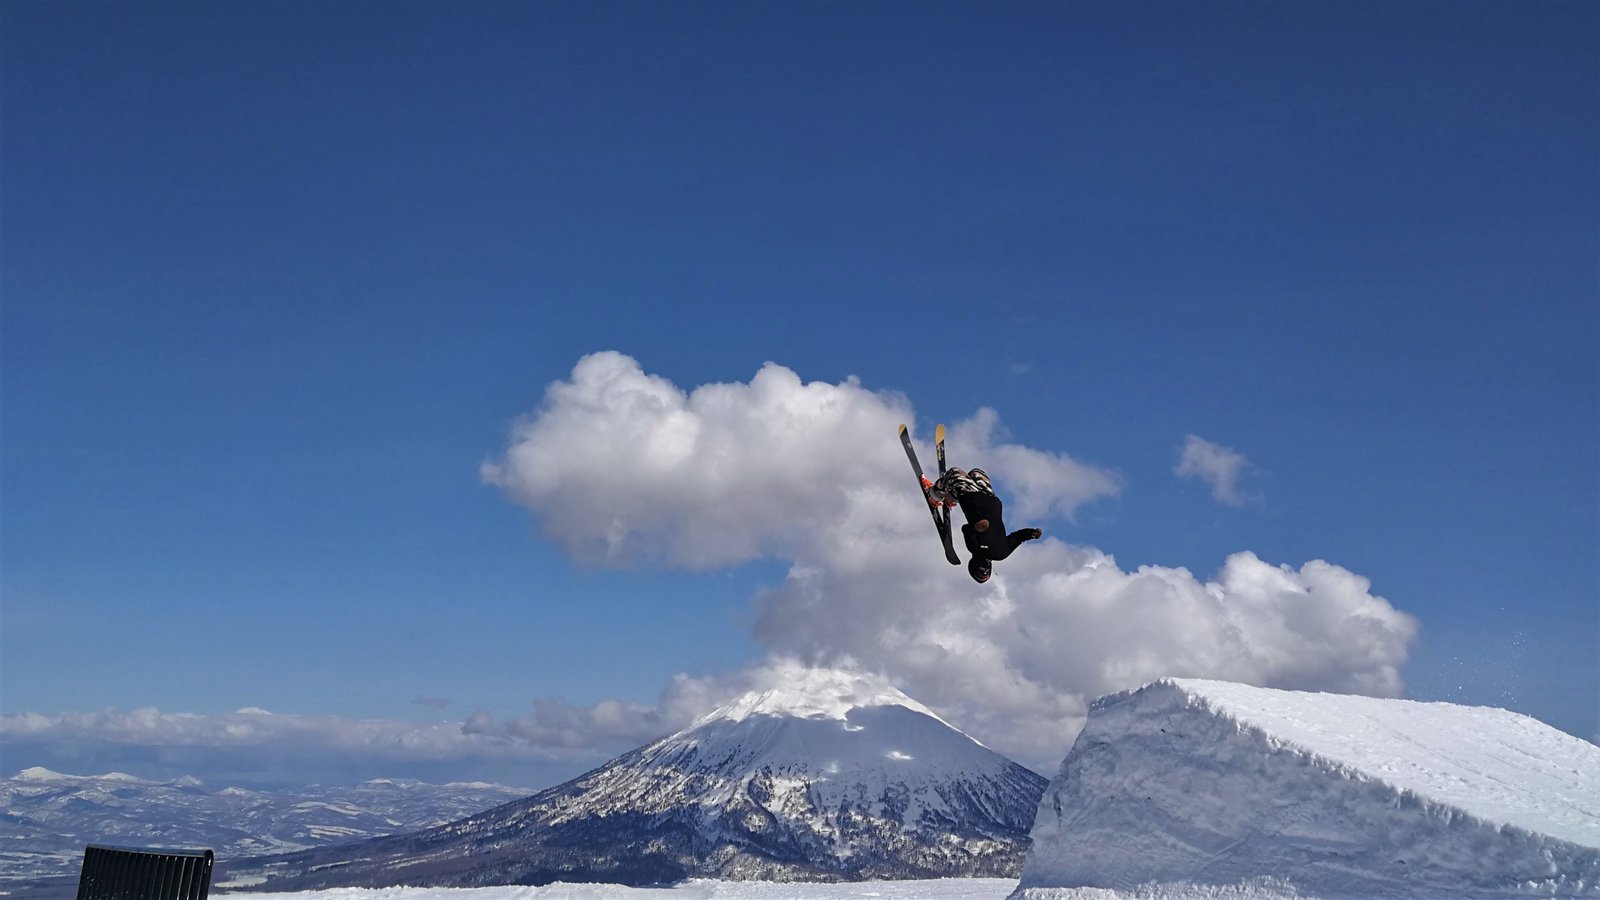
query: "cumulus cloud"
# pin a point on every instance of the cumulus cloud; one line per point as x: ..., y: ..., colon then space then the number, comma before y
x: 1216, y: 465
x: 626, y: 468
x: 616, y: 460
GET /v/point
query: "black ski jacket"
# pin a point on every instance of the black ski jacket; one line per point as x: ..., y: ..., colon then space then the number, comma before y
x: 993, y: 544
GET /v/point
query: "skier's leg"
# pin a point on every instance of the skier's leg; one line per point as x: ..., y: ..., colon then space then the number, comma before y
x: 1017, y: 538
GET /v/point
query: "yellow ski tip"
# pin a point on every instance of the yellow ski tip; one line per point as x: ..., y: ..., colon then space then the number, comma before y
x: 902, y: 428
x: 938, y: 434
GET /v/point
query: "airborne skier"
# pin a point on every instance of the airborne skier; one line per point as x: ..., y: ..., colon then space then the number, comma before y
x: 985, y: 531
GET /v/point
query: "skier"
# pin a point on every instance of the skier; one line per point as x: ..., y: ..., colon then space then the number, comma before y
x: 985, y: 532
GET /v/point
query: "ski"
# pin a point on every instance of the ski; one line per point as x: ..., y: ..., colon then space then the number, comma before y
x: 938, y: 452
x: 940, y: 520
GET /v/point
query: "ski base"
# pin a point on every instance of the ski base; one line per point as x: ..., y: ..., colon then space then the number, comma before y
x: 941, y: 516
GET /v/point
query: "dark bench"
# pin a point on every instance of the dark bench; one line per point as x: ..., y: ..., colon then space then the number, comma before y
x: 124, y: 873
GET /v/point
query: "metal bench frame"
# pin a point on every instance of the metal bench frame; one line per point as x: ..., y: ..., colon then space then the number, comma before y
x: 128, y: 873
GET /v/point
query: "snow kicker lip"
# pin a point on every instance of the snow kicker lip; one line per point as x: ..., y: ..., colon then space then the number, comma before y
x: 1211, y: 783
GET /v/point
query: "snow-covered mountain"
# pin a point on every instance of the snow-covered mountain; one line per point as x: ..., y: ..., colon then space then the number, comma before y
x: 833, y: 778
x: 46, y: 817
x: 1205, y: 783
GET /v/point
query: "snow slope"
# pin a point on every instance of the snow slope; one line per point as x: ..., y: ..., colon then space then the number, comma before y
x: 933, y: 889
x: 926, y: 889
x: 1210, y: 783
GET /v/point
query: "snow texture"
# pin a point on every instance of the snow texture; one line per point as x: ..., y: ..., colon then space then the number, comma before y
x: 933, y: 889
x: 1214, y: 784
x: 928, y: 889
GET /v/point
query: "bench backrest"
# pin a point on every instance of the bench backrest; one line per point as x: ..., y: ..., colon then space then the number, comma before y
x: 124, y: 873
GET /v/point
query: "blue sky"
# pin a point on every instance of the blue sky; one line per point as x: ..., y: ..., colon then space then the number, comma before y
x: 278, y: 279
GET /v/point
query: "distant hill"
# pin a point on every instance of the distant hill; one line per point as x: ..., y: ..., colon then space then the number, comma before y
x: 46, y: 817
x: 830, y: 779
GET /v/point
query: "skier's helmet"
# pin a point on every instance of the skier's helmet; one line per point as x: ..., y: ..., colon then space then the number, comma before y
x: 980, y: 569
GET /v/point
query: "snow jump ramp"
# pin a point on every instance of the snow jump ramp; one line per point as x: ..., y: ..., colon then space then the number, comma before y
x: 1204, y: 788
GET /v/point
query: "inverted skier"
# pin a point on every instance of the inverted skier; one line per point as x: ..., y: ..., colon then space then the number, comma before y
x: 985, y: 531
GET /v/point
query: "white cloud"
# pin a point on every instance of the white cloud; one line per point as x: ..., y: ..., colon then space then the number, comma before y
x: 625, y: 468
x: 1216, y: 465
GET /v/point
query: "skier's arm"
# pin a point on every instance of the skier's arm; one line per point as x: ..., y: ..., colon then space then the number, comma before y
x: 970, y: 538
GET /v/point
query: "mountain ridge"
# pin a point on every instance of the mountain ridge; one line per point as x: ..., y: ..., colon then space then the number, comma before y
x: 47, y: 817
x: 798, y: 784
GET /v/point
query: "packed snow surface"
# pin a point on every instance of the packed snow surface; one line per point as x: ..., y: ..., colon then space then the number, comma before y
x: 940, y: 889
x: 1340, y: 796
x: 1491, y: 763
x: 933, y: 889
